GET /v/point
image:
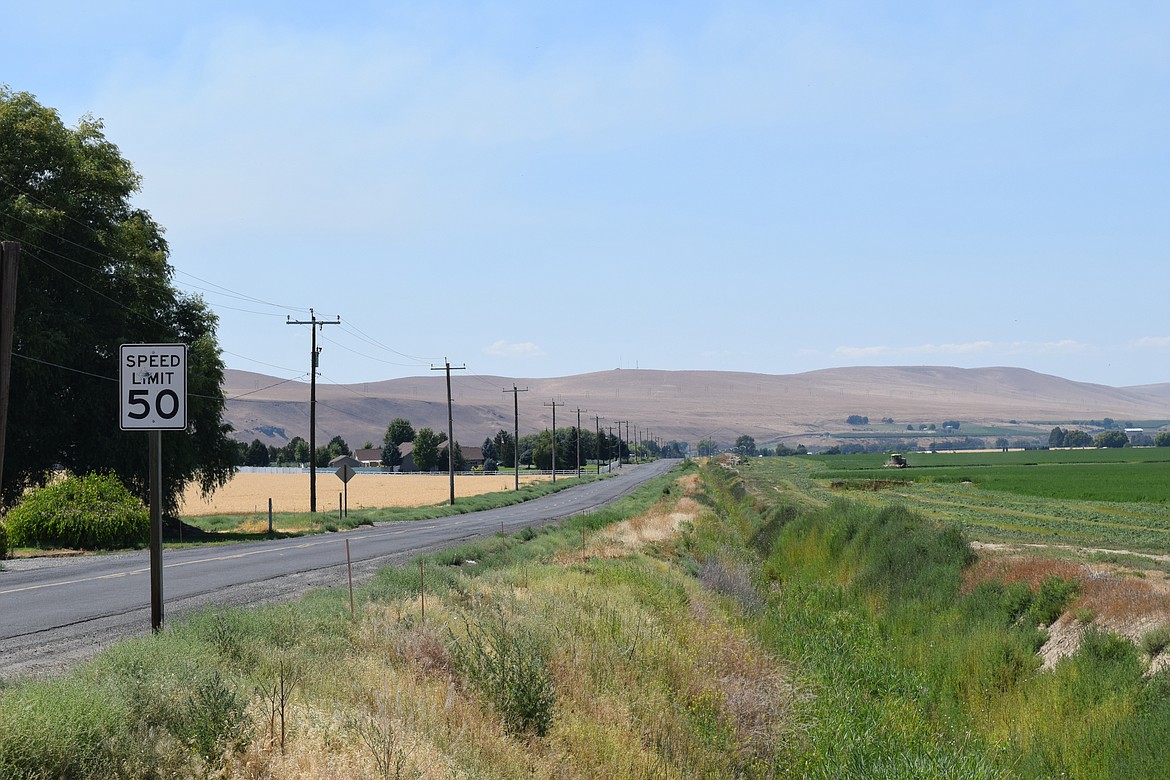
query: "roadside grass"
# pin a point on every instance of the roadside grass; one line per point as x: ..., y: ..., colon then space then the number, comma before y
x: 539, y: 659
x: 929, y: 667
x: 708, y: 625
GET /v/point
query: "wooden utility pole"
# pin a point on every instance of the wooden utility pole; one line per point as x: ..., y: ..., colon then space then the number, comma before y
x: 515, y: 391
x: 315, y: 353
x: 450, y: 425
x: 597, y: 440
x: 579, y: 441
x: 554, y: 406
x: 9, y: 265
x: 618, y: 423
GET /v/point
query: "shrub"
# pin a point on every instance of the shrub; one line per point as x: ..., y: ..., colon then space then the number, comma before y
x: 3, y: 541
x: 506, y: 663
x: 89, y: 512
x: 1156, y: 640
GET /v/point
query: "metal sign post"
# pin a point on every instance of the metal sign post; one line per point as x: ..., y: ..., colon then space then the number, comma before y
x: 345, y: 472
x: 153, y: 397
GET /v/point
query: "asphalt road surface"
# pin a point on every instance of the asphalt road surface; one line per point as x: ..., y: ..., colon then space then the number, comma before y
x: 54, y: 612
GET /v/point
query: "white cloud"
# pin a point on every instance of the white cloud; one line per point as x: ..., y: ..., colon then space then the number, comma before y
x: 1151, y: 342
x: 525, y: 349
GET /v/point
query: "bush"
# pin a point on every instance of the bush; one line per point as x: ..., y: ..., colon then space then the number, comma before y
x: 506, y: 663
x: 1156, y: 640
x: 91, y: 512
x: 3, y: 541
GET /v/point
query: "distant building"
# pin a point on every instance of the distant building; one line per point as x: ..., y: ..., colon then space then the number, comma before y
x: 371, y: 457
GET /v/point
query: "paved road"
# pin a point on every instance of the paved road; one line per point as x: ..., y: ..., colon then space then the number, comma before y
x: 56, y: 611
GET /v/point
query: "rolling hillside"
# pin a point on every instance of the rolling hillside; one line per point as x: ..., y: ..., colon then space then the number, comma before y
x: 684, y: 405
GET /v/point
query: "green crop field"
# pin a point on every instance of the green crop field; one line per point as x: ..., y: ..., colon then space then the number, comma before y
x: 1118, y: 475
x: 1114, y: 499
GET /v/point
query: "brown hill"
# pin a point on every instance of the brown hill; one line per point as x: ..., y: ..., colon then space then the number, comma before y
x: 684, y: 405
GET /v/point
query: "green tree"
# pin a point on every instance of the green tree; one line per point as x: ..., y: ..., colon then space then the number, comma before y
x: 1113, y: 438
x: 1056, y: 437
x: 1076, y: 438
x: 505, y: 447
x: 488, y: 448
x: 94, y: 275
x: 745, y: 445
x: 398, y: 431
x: 257, y: 454
x: 1162, y: 439
x: 337, y: 446
x: 542, y: 451
x: 1001, y: 443
x: 460, y: 460
x: 391, y: 455
x: 707, y: 447
x: 426, y: 449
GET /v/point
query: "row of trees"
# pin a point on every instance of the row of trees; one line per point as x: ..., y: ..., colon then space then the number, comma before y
x: 296, y: 452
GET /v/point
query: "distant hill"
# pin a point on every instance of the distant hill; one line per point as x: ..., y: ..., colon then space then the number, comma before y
x: 685, y: 405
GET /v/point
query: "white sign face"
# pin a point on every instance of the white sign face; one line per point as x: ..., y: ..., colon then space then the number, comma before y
x: 153, y: 387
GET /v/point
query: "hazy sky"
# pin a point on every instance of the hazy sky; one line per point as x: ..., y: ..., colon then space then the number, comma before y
x: 550, y: 188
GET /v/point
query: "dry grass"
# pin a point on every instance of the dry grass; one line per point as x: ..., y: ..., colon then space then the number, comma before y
x: 1111, y: 598
x: 658, y: 525
x: 249, y: 493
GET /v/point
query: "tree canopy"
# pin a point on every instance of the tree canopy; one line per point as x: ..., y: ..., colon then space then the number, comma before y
x: 1111, y: 438
x: 94, y: 275
x: 745, y: 445
x: 398, y: 431
x: 391, y: 455
x: 426, y: 449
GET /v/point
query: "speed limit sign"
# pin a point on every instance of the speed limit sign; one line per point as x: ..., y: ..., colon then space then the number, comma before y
x: 153, y: 387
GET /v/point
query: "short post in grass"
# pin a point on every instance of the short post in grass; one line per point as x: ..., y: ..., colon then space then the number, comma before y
x: 422, y: 594
x: 270, y: 517
x: 349, y: 567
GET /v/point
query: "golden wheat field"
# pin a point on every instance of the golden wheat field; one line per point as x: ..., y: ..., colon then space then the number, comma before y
x: 248, y: 493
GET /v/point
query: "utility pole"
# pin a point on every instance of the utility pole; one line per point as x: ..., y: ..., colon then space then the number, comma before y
x: 597, y: 440
x: 516, y: 440
x: 450, y: 425
x: 9, y: 265
x: 618, y: 423
x: 554, y: 406
x: 579, y: 441
x: 315, y: 352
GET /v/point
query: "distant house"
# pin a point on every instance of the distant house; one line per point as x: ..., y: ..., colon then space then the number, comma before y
x: 406, y: 448
x: 473, y: 455
x: 371, y: 457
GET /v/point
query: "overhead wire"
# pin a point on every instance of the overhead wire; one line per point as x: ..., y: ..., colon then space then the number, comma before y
x: 222, y: 290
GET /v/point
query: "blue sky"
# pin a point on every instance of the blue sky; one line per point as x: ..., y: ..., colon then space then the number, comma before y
x: 543, y: 189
